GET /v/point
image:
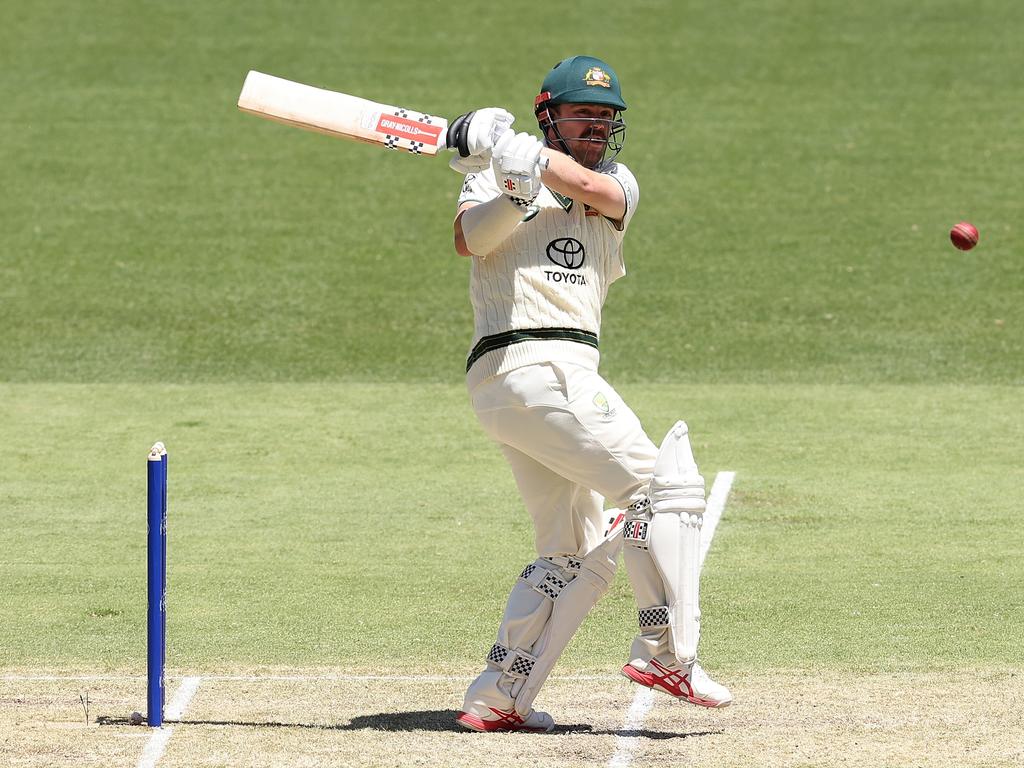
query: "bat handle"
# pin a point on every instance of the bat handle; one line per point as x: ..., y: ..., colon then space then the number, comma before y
x: 451, y: 138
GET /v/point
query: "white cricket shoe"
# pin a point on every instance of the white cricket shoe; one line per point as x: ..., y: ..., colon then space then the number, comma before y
x: 499, y: 720
x: 688, y: 682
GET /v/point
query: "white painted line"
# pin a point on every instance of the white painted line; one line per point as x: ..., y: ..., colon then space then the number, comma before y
x: 155, y: 747
x: 326, y: 677
x: 351, y: 678
x: 157, y: 743
x: 624, y: 745
x: 643, y: 700
x: 67, y: 678
x: 716, y: 506
x: 182, y: 697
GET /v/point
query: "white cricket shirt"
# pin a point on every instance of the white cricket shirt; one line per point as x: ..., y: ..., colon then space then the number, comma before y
x: 538, y: 296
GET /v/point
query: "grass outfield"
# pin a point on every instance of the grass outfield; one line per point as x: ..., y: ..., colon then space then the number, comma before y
x: 800, y: 166
x: 286, y: 313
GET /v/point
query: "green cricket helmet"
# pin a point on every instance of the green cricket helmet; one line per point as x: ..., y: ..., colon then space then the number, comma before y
x: 582, y: 80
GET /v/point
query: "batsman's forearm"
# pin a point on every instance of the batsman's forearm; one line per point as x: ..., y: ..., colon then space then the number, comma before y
x: 569, y: 178
x: 563, y: 174
x: 487, y: 225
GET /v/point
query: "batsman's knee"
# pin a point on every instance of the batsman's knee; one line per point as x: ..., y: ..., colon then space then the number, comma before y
x: 637, y: 526
x: 677, y: 485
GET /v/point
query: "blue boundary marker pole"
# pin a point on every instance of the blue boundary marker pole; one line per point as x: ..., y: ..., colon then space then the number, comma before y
x: 156, y: 573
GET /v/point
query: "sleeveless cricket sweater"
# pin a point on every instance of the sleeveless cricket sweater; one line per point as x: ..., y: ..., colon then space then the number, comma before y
x: 538, y: 296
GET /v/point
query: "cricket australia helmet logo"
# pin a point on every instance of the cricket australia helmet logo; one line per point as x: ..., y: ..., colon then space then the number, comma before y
x: 597, y: 76
x: 566, y: 252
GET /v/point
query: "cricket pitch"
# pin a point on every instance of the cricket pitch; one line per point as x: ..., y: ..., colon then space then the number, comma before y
x: 306, y: 718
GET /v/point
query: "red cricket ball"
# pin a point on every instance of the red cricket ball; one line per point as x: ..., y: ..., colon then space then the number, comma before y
x: 964, y: 235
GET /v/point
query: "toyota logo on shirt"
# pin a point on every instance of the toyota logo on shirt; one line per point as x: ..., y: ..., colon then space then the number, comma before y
x: 566, y: 252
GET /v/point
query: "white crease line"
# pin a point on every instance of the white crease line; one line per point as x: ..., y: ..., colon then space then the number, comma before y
x: 642, y: 703
x: 67, y: 678
x: 155, y: 747
x: 716, y: 506
x: 182, y: 697
x: 643, y: 700
x: 157, y: 743
x: 292, y: 678
x: 347, y: 678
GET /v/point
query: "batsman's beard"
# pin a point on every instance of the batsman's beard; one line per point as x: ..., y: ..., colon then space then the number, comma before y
x: 588, y: 152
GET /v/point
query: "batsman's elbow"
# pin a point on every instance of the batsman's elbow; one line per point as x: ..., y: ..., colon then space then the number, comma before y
x: 460, y: 238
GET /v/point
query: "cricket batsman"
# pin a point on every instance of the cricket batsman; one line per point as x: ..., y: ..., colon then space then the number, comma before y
x: 543, y: 221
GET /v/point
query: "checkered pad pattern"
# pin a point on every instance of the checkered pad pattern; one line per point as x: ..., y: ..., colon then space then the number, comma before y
x: 519, y: 665
x: 522, y: 666
x: 568, y: 563
x: 544, y: 581
x: 551, y: 586
x: 498, y: 653
x: 415, y: 147
x: 390, y: 142
x: 635, y: 532
x: 641, y: 506
x: 653, y: 617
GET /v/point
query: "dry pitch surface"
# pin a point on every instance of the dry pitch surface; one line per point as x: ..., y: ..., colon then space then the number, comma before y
x: 794, y: 719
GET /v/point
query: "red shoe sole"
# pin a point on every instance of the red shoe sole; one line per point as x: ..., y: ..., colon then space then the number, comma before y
x: 474, y: 723
x: 650, y: 681
x: 638, y: 677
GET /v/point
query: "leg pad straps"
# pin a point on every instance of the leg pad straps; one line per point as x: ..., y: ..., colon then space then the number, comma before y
x: 512, y: 661
x: 635, y: 529
x: 548, y: 583
x: 655, y: 617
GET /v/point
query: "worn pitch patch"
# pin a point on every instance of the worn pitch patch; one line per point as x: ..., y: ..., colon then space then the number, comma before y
x: 43, y: 722
x: 786, y: 719
x: 839, y: 719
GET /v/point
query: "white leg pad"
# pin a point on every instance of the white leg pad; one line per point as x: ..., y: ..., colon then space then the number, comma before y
x: 676, y: 517
x: 510, y: 659
x: 569, y: 608
x: 548, y: 603
x: 648, y: 585
x: 675, y: 550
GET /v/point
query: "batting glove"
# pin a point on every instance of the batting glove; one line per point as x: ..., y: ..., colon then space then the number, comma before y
x: 475, y: 133
x: 471, y: 164
x: 517, y: 166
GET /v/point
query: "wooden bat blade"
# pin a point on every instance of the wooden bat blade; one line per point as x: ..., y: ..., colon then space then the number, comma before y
x: 341, y: 115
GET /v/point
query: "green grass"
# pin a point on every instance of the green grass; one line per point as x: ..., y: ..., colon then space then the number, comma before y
x: 800, y: 166
x: 287, y: 313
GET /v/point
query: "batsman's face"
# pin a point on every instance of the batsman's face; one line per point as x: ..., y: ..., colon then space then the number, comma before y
x: 586, y: 130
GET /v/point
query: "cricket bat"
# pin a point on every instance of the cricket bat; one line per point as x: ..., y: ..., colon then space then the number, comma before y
x: 342, y: 115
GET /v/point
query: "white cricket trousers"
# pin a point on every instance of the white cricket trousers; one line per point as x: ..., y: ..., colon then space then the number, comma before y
x: 572, y: 443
